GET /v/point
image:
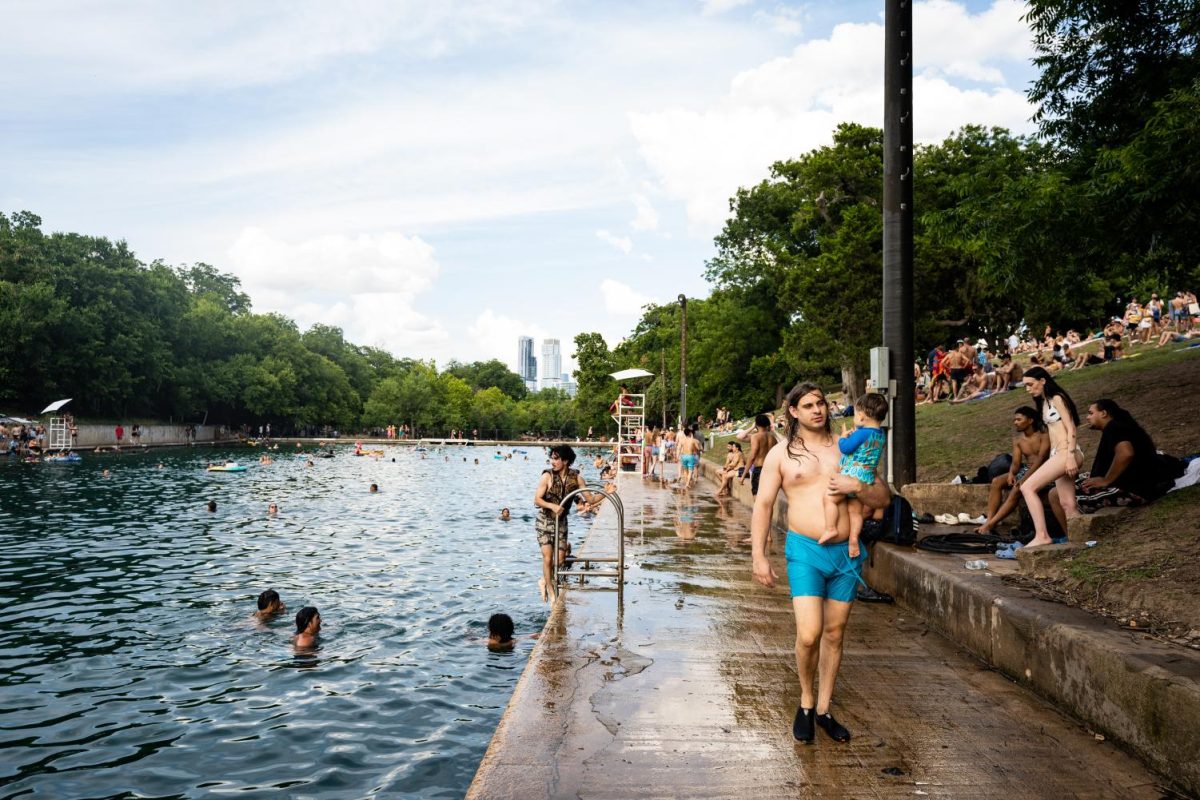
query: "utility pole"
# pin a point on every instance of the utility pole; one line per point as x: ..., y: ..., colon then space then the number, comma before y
x: 683, y: 362
x: 663, y: 378
x: 898, y: 235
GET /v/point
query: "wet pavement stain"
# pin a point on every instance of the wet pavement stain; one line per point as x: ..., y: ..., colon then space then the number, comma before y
x: 688, y: 690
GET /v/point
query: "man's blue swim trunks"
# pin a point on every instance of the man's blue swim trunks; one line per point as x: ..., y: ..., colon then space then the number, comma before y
x: 822, y: 570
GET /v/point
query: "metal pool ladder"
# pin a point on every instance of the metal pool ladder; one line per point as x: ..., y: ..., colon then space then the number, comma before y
x: 561, y: 578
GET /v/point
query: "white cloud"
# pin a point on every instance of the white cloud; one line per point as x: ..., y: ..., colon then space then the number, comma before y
x: 790, y: 105
x: 783, y: 20
x: 622, y: 243
x: 710, y: 7
x: 620, y: 298
x: 366, y: 284
x: 138, y: 44
x: 647, y: 216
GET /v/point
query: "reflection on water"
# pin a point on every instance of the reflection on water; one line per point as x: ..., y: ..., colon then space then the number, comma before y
x: 131, y: 663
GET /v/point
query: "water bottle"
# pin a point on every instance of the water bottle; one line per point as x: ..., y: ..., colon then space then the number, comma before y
x: 978, y: 563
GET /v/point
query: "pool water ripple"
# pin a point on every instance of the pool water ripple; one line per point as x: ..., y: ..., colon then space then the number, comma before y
x: 131, y: 666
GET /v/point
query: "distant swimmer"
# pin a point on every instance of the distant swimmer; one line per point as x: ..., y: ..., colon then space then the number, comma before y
x: 105, y: 473
x: 269, y: 604
x: 505, y: 514
x: 265, y: 459
x: 212, y: 506
x: 309, y: 463
x: 476, y: 461
x: 160, y: 466
x: 308, y: 625
x: 272, y: 509
x: 374, y: 488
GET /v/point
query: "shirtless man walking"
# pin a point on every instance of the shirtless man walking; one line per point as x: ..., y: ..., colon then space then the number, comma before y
x: 760, y: 442
x: 689, y: 456
x: 823, y: 578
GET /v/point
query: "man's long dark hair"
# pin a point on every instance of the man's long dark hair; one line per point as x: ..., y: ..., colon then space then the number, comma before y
x: 1051, y: 389
x: 796, y: 447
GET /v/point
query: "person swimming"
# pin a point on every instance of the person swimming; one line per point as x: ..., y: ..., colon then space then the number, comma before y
x: 272, y: 509
x: 500, y: 632
x: 308, y: 626
x: 505, y: 514
x: 374, y: 488
x: 269, y: 604
x: 212, y: 506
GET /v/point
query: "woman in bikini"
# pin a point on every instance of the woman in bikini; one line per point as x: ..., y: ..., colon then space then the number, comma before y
x: 1061, y: 419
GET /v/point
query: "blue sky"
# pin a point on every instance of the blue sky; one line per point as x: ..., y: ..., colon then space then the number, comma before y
x: 440, y: 178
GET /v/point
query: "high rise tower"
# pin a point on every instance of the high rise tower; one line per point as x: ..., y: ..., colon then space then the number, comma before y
x: 551, y: 364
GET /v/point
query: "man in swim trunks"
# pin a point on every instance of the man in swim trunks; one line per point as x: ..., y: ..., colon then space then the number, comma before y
x: 760, y: 442
x: 823, y: 578
x: 689, y: 456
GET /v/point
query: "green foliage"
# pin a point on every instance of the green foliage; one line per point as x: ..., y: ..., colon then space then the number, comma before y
x: 486, y: 374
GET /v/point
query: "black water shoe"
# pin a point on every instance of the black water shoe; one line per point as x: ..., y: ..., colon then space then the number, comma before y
x: 835, y: 729
x: 868, y: 595
x: 802, y: 726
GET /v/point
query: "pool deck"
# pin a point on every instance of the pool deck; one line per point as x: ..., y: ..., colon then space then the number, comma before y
x: 689, y: 691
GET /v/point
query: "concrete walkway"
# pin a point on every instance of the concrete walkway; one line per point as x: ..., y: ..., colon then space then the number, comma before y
x: 690, y: 692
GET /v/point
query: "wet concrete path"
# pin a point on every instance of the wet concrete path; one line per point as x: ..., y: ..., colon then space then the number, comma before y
x: 690, y: 691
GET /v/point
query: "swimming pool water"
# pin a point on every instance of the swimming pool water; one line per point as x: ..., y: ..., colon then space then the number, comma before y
x: 131, y: 666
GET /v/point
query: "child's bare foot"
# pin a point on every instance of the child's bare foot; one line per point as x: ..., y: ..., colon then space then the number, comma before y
x: 828, y: 536
x: 853, y: 549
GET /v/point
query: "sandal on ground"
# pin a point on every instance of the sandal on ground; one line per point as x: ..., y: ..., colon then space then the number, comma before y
x: 831, y: 726
x: 802, y: 726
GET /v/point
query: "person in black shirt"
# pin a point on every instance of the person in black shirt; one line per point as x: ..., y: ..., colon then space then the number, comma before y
x: 1127, y: 469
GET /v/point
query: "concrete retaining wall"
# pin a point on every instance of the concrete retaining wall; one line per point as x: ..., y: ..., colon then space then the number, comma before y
x: 105, y: 435
x: 1131, y: 688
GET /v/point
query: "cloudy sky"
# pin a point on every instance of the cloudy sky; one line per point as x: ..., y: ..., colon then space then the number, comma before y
x: 438, y: 178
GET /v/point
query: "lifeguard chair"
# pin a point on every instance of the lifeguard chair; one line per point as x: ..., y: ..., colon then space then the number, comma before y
x: 629, y: 412
x: 58, y: 432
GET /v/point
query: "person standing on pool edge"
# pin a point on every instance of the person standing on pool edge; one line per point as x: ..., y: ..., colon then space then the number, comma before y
x: 556, y: 483
x: 823, y: 578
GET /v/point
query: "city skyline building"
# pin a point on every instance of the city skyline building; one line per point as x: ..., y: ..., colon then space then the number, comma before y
x: 526, y: 362
x: 551, y: 364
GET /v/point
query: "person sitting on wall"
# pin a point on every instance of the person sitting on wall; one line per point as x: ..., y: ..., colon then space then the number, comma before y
x: 1127, y: 470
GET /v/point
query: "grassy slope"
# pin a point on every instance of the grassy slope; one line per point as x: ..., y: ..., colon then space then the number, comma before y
x: 1158, y: 386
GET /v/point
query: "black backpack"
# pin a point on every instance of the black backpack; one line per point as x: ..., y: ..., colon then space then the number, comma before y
x: 898, y: 526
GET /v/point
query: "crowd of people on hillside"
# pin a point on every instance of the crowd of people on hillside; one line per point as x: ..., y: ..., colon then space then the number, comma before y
x: 973, y: 370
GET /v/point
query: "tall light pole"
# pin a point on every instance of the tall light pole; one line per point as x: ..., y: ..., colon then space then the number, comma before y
x: 683, y: 361
x: 898, y: 235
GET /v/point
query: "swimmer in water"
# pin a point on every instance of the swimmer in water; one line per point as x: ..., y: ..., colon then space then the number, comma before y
x: 269, y: 604
x: 160, y: 466
x: 212, y: 506
x: 476, y: 461
x: 105, y: 473
x: 308, y: 625
x: 505, y: 514
x: 374, y: 488
x: 272, y: 509
x: 309, y: 463
x: 500, y: 632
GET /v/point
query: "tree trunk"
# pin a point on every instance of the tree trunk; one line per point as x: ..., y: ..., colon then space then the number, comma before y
x: 853, y: 382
